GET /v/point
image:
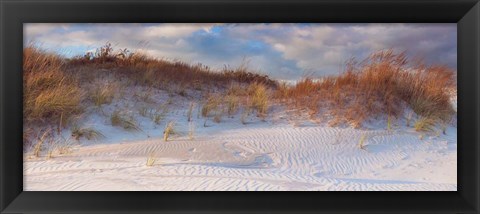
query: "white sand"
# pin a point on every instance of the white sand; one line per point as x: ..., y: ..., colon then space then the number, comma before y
x: 271, y: 155
x: 260, y: 157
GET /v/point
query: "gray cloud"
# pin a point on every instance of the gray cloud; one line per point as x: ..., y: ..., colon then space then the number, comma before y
x: 284, y: 51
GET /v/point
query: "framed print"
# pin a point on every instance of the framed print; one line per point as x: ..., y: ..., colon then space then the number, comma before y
x: 230, y: 106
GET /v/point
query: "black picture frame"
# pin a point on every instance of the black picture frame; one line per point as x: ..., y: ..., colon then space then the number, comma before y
x: 466, y: 13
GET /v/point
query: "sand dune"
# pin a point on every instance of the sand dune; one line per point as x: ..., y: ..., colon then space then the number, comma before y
x: 97, y: 122
x: 257, y: 157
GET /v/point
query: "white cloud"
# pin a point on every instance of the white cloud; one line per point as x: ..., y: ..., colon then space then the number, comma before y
x: 324, y: 47
x: 278, y: 49
x: 175, y: 30
x: 36, y: 29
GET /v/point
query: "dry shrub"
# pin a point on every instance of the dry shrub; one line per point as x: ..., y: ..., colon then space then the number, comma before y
x: 237, y: 89
x: 241, y: 74
x: 162, y: 73
x: 383, y: 84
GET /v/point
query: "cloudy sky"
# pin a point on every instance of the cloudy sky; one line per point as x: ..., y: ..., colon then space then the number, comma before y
x: 283, y: 51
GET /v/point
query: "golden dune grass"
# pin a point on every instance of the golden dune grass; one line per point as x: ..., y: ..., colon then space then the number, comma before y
x: 383, y: 84
x: 49, y: 93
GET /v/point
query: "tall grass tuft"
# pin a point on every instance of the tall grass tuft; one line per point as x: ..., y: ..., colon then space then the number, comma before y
x: 159, y: 114
x: 169, y: 130
x: 361, y: 143
x: 444, y: 126
x: 127, y: 122
x: 259, y: 96
x: 49, y: 92
x: 65, y: 146
x: 88, y: 133
x: 245, y: 113
x: 190, y: 111
x: 103, y: 94
x: 143, y: 111
x: 389, y: 123
x: 217, y: 118
x: 212, y: 104
x: 425, y: 124
x: 191, y: 130
x: 232, y: 104
x: 145, y: 96
x: 39, y: 145
x: 409, y: 118
x: 150, y: 160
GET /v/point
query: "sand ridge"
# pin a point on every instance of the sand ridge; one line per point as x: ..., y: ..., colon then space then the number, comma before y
x: 280, y: 157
